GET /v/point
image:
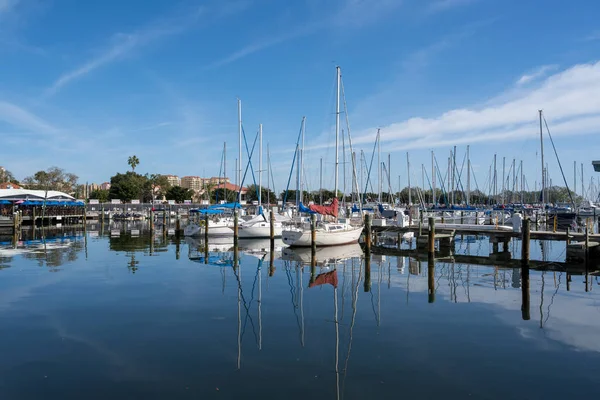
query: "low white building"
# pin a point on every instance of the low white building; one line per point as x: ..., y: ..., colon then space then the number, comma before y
x: 26, y: 194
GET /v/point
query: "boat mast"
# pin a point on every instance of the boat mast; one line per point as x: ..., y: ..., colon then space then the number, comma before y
x: 582, y: 187
x: 408, y: 172
x: 259, y: 166
x: 321, y: 181
x: 379, y: 170
x: 301, y: 168
x: 337, y: 129
x: 224, y: 172
x: 468, y: 177
x: 503, y: 180
x: 433, y: 194
x: 575, y: 177
x: 239, y: 163
x: 542, y: 152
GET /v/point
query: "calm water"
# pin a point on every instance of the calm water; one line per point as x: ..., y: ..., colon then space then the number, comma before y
x: 122, y: 316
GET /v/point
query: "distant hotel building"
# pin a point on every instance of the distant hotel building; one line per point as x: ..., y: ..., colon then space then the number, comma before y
x: 194, y: 183
x: 173, y: 180
x: 105, y: 186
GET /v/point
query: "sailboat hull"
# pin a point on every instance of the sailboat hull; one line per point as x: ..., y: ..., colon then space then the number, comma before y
x: 259, y: 230
x: 302, y: 237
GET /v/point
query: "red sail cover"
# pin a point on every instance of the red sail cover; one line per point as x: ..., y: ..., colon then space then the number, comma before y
x: 331, y: 209
x: 328, y: 277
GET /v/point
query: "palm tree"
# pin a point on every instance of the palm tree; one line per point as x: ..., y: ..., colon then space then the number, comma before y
x: 133, y: 161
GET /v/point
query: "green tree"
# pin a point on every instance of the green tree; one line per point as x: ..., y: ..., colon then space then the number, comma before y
x: 133, y: 162
x: 100, y: 194
x: 53, y: 178
x: 157, y: 186
x: 127, y: 186
x: 7, y: 176
x: 219, y: 194
x: 252, y: 194
x: 179, y: 194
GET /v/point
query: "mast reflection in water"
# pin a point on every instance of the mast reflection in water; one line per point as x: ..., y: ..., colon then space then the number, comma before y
x: 138, y: 313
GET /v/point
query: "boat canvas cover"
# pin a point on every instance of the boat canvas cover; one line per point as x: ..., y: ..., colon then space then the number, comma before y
x: 331, y: 209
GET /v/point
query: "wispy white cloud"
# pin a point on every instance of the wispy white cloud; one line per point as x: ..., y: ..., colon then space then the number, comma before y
x: 7, y: 5
x: 444, y: 5
x: 344, y: 14
x: 123, y: 44
x: 593, y: 36
x: 22, y: 119
x: 536, y: 74
x: 569, y: 99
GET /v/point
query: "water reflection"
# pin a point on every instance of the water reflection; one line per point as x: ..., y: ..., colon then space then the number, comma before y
x: 335, y: 323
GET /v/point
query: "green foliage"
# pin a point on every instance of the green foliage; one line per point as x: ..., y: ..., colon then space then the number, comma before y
x: 53, y: 178
x: 102, y: 195
x: 219, y: 194
x: 252, y: 194
x: 179, y: 194
x: 127, y: 186
x: 133, y: 162
x: 7, y: 176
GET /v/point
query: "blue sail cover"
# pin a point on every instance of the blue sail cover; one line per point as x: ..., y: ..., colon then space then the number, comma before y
x: 355, y: 208
x: 230, y: 206
x: 304, y: 209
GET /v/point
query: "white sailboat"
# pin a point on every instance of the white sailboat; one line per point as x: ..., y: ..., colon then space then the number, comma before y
x: 327, y: 233
x: 260, y: 226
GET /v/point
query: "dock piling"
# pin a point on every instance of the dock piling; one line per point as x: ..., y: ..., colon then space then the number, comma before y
x: 525, y: 231
x: 206, y: 229
x: 368, y: 232
x: 431, y: 241
x: 235, y: 229
x: 313, y: 234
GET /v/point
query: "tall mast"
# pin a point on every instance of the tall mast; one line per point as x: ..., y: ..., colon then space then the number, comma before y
x: 575, y: 177
x: 522, y: 183
x: 582, y: 187
x: 301, y: 169
x: 408, y: 172
x: 468, y: 176
x: 453, y: 175
x: 543, y: 166
x: 239, y: 179
x: 268, y: 176
x: 389, y: 176
x: 433, y: 194
x: 495, y: 181
x: 321, y: 181
x: 259, y: 165
x: 514, y: 182
x: 224, y: 171
x: 337, y: 129
x: 503, y: 180
x: 379, y: 170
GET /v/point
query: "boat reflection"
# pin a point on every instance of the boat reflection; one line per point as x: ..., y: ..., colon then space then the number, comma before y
x: 324, y: 256
x: 51, y: 251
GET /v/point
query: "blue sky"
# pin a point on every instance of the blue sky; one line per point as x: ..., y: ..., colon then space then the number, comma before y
x: 85, y: 84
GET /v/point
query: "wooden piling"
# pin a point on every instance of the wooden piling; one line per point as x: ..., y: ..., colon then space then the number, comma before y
x: 368, y: 232
x: 462, y: 217
x: 177, y: 227
x: 367, y: 286
x: 235, y: 228
x: 34, y: 218
x: 272, y: 226
x: 431, y: 278
x: 525, y: 238
x: 568, y: 238
x: 272, y: 259
x: 313, y: 234
x: 525, y: 306
x: 555, y: 223
x: 206, y: 229
x: 431, y: 240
